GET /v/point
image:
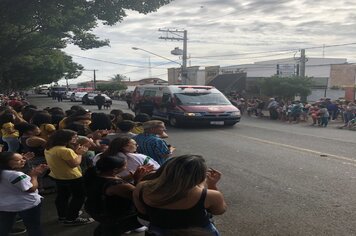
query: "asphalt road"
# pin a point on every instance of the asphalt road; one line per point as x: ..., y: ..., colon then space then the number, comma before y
x: 278, y: 178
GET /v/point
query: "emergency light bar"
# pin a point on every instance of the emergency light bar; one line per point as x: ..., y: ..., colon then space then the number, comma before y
x: 195, y: 87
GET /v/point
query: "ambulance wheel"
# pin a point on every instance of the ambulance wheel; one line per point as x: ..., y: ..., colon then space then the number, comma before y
x: 173, y: 121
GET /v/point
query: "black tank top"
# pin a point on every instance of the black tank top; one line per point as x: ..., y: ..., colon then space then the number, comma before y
x: 100, y: 205
x: 196, y: 216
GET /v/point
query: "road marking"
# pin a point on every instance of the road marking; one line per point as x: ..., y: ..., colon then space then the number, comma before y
x: 309, y: 135
x: 349, y: 161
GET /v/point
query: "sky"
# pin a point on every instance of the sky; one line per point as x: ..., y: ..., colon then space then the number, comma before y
x: 221, y: 32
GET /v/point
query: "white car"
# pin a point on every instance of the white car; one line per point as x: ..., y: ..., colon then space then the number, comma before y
x: 68, y: 95
x: 77, y: 96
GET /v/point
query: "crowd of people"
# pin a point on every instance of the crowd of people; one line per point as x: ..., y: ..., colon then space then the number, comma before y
x: 321, y: 112
x: 119, y: 168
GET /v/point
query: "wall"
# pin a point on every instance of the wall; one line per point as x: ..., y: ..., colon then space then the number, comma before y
x: 330, y: 93
x: 210, y: 73
x: 200, y: 77
x: 174, y: 76
x: 343, y: 75
x: 192, y: 74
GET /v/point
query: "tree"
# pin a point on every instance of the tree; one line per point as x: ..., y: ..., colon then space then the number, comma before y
x: 33, y: 32
x: 111, y: 86
x: 120, y: 78
x: 286, y: 87
x: 116, y: 84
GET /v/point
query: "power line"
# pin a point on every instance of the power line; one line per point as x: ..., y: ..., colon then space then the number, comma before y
x: 282, y: 50
x: 251, y: 53
x: 272, y: 66
x: 286, y: 51
x: 110, y: 62
x: 243, y: 58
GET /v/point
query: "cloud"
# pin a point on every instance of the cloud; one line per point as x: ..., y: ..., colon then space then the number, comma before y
x: 218, y: 27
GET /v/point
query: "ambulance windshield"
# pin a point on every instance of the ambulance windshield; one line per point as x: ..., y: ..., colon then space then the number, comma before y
x: 201, y: 99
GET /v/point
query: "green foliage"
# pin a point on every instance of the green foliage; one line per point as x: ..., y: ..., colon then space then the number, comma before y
x: 111, y: 87
x: 286, y: 87
x: 120, y: 78
x: 32, y: 34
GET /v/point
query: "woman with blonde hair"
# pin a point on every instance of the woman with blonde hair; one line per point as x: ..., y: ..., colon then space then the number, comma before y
x: 180, y: 195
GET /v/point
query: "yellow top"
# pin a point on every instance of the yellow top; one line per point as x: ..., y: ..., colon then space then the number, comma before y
x: 8, y: 130
x: 56, y: 158
x: 47, y: 130
x: 62, y: 123
x: 138, y: 129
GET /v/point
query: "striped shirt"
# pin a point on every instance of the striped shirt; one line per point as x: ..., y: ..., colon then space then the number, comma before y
x: 152, y: 146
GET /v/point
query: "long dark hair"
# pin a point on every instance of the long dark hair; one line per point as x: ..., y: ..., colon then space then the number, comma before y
x: 100, y: 121
x: 109, y: 163
x: 60, y: 138
x: 6, y: 117
x: 41, y: 117
x: 5, y: 158
x: 103, y: 165
x: 24, y: 127
x: 28, y: 113
x: 79, y: 128
x: 116, y: 146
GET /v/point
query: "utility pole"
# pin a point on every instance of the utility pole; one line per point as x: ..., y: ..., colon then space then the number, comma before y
x: 302, y: 63
x: 94, y: 78
x: 67, y: 85
x: 183, y: 38
x: 94, y: 81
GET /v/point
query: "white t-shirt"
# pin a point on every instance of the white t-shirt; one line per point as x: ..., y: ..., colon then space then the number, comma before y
x: 13, y: 187
x: 134, y: 160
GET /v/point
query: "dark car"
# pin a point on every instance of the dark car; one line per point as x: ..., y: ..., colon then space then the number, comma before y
x: 88, y: 99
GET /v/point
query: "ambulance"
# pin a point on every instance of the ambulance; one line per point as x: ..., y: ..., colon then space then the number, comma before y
x: 186, y: 104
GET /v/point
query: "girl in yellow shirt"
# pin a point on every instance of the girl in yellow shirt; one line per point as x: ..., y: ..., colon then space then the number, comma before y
x: 64, y: 164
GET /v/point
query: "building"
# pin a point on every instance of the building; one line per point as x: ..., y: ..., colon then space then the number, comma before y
x: 343, y: 79
x: 144, y: 82
x: 325, y: 73
x: 195, y: 75
x: 231, y: 82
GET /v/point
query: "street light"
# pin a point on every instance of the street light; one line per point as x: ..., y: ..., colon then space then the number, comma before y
x: 135, y: 48
x: 182, y: 71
